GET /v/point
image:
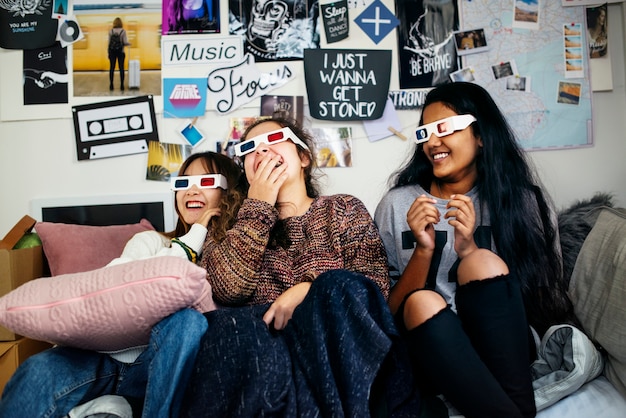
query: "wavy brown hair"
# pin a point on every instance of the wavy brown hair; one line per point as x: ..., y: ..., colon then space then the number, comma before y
x: 232, y: 198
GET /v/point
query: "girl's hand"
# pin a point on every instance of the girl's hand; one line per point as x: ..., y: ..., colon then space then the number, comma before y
x: 281, y: 310
x: 463, y: 218
x: 421, y: 216
x: 268, y: 178
x: 207, y: 215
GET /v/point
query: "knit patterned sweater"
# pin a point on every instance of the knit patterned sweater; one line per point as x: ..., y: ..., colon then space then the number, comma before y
x: 337, y: 232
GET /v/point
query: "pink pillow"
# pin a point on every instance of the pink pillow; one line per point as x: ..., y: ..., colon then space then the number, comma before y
x: 75, y: 248
x: 107, y: 309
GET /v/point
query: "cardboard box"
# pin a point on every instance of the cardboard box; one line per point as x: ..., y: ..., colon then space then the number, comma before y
x: 18, y: 266
x: 13, y: 353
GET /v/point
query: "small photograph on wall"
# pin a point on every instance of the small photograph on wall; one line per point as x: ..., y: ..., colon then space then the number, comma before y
x: 190, y: 16
x: 45, y: 75
x: 427, y: 53
x: 470, y: 41
x: 107, y: 65
x: 569, y: 93
x: 289, y: 106
x: 597, y: 31
x: 164, y: 160
x: 526, y: 14
x: 518, y: 83
x: 504, y: 69
x: 464, y: 74
x: 275, y: 30
x: 333, y: 147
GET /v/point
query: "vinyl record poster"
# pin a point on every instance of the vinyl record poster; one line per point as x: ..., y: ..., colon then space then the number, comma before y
x: 426, y: 47
x: 69, y: 32
x: 45, y: 75
x: 275, y: 30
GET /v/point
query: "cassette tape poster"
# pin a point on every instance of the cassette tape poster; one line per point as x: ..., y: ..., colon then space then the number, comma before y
x: 275, y: 30
x: 426, y: 48
x: 114, y: 128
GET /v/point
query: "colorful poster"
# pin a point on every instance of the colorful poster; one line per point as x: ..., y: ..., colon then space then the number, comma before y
x: 190, y: 16
x: 426, y: 45
x: 45, y: 75
x: 275, y: 30
x: 184, y: 97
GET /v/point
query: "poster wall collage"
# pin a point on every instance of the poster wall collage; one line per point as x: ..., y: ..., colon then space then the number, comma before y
x: 503, y: 49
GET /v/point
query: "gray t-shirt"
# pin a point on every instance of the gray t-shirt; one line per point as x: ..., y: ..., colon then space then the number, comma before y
x: 390, y: 217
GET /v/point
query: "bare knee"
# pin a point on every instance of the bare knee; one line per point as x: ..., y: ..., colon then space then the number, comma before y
x: 481, y: 264
x: 421, y: 306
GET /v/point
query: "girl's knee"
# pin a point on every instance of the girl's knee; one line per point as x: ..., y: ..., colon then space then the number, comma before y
x: 481, y: 264
x: 420, y: 306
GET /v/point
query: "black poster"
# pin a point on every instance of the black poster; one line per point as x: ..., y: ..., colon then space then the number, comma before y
x: 27, y: 24
x: 426, y: 48
x: 335, y: 18
x: 275, y: 30
x: 346, y: 84
x: 45, y: 75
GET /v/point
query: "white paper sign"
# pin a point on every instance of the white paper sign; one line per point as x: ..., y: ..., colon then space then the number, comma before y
x: 237, y: 85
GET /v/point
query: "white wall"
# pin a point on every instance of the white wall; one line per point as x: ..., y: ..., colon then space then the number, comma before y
x: 38, y: 157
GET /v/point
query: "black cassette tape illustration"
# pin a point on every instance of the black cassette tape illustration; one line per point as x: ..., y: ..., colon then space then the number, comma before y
x: 114, y: 128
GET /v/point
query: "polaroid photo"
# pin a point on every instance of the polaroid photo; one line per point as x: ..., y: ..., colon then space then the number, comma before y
x: 518, y: 83
x: 504, y: 69
x: 526, y: 14
x: 569, y: 93
x: 470, y: 41
x: 464, y: 74
x: 60, y: 9
x: 226, y: 148
x: 191, y: 133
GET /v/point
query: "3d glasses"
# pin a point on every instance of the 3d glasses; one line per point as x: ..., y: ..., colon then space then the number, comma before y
x: 204, y: 181
x: 270, y: 138
x: 443, y: 127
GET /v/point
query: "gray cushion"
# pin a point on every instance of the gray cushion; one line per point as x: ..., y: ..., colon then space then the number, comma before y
x: 598, y: 291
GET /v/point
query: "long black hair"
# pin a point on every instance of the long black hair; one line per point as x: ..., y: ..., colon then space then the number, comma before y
x: 523, y: 223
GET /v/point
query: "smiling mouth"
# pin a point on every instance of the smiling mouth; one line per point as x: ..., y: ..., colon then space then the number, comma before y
x: 194, y: 205
x: 440, y: 155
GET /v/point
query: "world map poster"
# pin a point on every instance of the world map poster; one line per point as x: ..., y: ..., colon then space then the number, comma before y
x: 547, y: 100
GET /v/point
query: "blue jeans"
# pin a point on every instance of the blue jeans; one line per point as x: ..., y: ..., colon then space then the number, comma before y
x: 51, y: 383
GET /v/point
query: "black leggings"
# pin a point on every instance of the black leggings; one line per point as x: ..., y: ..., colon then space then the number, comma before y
x: 479, y: 359
x: 119, y: 58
